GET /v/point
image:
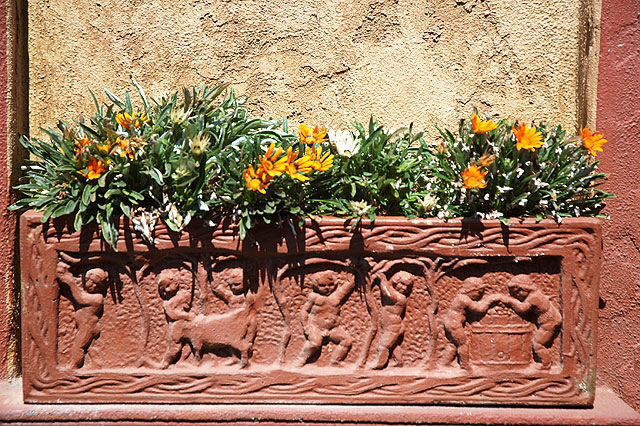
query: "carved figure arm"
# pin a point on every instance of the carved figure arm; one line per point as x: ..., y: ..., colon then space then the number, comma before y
x: 480, y: 306
x: 176, y: 308
x: 391, y: 294
x: 343, y: 290
x: 306, y: 309
x: 80, y: 295
x: 220, y: 289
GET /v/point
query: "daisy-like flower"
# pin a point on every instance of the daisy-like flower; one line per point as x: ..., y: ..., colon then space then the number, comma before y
x: 82, y: 144
x: 256, y: 181
x: 360, y: 208
x: 311, y: 135
x: 199, y: 144
x: 592, y: 141
x: 480, y: 126
x: 104, y: 148
x: 527, y: 137
x: 297, y: 166
x: 270, y: 163
x: 320, y: 161
x: 344, y: 142
x: 122, y: 148
x: 127, y: 120
x: 95, y: 168
x: 473, y: 177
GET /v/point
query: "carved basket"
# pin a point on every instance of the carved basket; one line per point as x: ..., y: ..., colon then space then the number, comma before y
x: 400, y: 312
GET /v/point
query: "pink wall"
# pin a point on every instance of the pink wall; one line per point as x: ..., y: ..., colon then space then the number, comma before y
x: 619, y: 119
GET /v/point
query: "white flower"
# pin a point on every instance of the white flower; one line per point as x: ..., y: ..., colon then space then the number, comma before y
x: 360, y: 208
x: 503, y: 189
x: 519, y: 172
x: 344, y: 142
x: 523, y: 202
x: 428, y: 202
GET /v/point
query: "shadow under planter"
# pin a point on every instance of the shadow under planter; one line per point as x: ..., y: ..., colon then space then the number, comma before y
x: 400, y: 312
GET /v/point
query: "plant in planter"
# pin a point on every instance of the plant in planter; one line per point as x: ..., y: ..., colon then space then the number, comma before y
x: 221, y: 280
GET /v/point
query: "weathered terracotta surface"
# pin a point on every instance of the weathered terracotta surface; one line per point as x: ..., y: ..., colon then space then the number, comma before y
x: 404, y: 311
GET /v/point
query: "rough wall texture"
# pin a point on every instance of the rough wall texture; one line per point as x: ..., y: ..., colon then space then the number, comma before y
x: 12, y: 122
x: 619, y: 119
x: 426, y: 61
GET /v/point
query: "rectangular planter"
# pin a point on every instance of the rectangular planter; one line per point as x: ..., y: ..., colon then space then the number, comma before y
x: 399, y: 312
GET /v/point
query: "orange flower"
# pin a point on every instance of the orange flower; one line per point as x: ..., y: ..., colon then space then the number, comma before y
x: 473, y: 177
x: 256, y: 181
x: 486, y: 160
x: 122, y: 148
x: 127, y: 120
x: 82, y: 144
x: 311, y: 135
x: 480, y: 126
x: 95, y: 168
x: 592, y: 141
x: 527, y: 137
x: 270, y: 164
x: 297, y: 166
x: 319, y: 161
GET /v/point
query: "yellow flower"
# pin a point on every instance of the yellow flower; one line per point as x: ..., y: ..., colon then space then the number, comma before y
x: 297, y: 166
x: 486, y: 160
x: 127, y: 120
x: 104, y: 148
x: 95, y: 168
x: 527, y: 137
x: 480, y: 126
x: 256, y: 181
x: 473, y: 177
x: 319, y: 161
x: 592, y: 141
x: 270, y: 164
x: 311, y: 135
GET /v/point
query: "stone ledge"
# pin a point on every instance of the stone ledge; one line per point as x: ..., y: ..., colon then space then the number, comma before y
x: 608, y: 409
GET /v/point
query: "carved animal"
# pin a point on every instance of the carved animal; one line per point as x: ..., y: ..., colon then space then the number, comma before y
x: 234, y: 330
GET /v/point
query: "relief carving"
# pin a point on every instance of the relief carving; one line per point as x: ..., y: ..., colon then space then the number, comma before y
x: 320, y: 315
x: 233, y: 330
x: 472, y: 304
x: 469, y: 305
x: 87, y: 293
x: 530, y: 303
x: 223, y: 324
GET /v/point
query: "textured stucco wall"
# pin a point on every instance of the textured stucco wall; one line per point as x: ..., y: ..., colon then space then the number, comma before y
x: 619, y: 119
x: 430, y: 61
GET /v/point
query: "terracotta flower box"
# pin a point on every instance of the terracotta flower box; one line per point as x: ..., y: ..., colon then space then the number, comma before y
x: 401, y: 312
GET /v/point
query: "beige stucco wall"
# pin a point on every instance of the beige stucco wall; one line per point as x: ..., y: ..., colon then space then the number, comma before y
x: 426, y: 61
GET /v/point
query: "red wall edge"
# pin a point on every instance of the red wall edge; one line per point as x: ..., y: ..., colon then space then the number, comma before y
x: 8, y: 228
x: 618, y: 117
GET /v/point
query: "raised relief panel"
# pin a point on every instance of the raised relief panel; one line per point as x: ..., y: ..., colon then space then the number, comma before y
x: 416, y: 312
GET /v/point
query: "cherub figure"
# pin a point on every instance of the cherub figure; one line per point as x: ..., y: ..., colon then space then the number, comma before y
x: 320, y: 315
x: 468, y: 302
x: 87, y: 294
x: 528, y: 300
x: 229, y: 286
x: 177, y: 309
x: 394, y: 294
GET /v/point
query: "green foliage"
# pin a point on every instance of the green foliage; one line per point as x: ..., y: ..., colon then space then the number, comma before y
x: 381, y: 176
x: 558, y: 179
x: 198, y: 153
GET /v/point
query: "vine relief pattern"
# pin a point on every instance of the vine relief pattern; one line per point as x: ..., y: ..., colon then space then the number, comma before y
x: 346, y: 325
